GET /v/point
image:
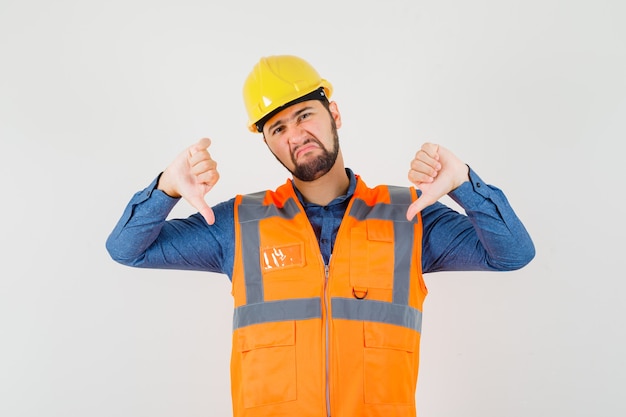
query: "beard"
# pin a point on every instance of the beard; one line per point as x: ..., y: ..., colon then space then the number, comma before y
x: 315, y: 168
x: 319, y: 166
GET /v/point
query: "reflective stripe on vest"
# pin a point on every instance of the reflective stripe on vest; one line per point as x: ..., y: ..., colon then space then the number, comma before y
x: 256, y: 310
x: 398, y: 312
x: 377, y: 311
x: 271, y: 311
x: 403, y: 236
x: 251, y: 211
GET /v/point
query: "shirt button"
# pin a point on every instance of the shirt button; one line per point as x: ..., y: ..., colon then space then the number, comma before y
x: 478, y: 184
x: 326, y: 208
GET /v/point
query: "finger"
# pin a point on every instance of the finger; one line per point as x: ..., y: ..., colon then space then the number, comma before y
x: 204, y: 209
x: 201, y: 145
x: 208, y: 215
x: 431, y: 149
x: 198, y: 155
x: 208, y: 178
x: 202, y: 166
x: 417, y: 206
x: 421, y: 173
x: 426, y: 162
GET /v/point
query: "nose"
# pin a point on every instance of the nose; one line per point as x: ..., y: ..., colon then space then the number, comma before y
x: 296, y: 134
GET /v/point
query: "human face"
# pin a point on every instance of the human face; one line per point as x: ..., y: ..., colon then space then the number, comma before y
x: 304, y: 139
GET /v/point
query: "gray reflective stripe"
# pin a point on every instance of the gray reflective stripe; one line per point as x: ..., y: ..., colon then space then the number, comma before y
x: 403, y: 247
x: 274, y: 311
x: 377, y: 311
x: 251, y: 211
x: 404, y: 239
x: 402, y: 262
x: 400, y: 196
x: 251, y: 262
x: 382, y: 211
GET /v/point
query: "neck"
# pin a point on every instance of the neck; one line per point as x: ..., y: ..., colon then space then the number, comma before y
x: 326, y: 188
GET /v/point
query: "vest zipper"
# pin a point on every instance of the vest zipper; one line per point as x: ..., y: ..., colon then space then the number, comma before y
x: 327, y: 325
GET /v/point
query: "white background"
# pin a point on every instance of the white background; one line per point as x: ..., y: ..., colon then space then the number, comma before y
x: 96, y: 98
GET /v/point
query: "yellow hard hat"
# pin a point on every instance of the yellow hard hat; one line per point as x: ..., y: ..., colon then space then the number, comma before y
x: 276, y: 81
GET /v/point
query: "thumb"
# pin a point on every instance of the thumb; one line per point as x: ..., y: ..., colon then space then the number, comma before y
x: 418, y: 205
x: 204, y: 209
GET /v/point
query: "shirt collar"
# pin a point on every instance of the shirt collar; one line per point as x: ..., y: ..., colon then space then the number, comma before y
x: 338, y: 200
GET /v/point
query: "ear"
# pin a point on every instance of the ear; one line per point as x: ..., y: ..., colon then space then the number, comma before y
x: 334, y: 112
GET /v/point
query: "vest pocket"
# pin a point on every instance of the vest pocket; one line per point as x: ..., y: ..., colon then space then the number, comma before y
x: 372, y: 254
x: 268, y: 363
x: 390, y: 364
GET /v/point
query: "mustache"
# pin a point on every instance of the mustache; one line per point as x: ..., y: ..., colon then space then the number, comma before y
x: 294, y: 151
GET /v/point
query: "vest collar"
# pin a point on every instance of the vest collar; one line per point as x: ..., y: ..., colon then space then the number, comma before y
x: 338, y: 200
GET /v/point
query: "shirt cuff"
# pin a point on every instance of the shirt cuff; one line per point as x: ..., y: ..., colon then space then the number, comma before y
x: 158, y: 197
x: 471, y: 193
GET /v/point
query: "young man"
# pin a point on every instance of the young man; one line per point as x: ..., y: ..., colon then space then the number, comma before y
x: 326, y: 272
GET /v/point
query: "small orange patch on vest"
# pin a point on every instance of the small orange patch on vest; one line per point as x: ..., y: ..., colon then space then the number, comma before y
x: 279, y: 257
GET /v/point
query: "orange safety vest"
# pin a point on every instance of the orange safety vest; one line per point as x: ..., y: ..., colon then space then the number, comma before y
x: 313, y: 340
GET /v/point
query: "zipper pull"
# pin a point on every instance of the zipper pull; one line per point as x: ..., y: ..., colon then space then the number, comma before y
x: 326, y: 267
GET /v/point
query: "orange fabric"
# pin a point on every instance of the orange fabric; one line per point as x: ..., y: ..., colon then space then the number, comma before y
x: 280, y: 368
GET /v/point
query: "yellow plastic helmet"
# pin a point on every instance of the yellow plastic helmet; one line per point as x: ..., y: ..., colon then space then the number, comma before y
x: 276, y: 81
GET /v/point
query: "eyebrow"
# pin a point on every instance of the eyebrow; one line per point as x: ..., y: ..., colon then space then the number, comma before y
x: 295, y: 115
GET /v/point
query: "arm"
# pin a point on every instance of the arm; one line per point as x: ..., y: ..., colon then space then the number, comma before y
x: 144, y: 238
x: 490, y: 237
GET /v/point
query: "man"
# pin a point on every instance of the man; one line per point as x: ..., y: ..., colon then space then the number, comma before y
x: 326, y: 272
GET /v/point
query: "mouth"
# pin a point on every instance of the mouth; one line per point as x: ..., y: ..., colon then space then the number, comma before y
x: 304, y: 149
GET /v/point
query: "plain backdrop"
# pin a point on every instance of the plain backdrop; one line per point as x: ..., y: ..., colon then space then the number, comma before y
x: 96, y: 98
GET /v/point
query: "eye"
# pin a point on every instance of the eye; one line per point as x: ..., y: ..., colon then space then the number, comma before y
x: 276, y: 131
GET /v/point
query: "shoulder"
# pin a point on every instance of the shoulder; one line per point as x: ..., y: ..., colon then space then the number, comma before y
x: 384, y: 192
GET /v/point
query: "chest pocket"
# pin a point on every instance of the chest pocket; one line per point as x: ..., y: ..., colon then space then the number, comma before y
x: 371, y: 252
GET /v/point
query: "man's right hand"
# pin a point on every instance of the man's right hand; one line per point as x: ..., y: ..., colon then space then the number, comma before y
x: 191, y: 176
